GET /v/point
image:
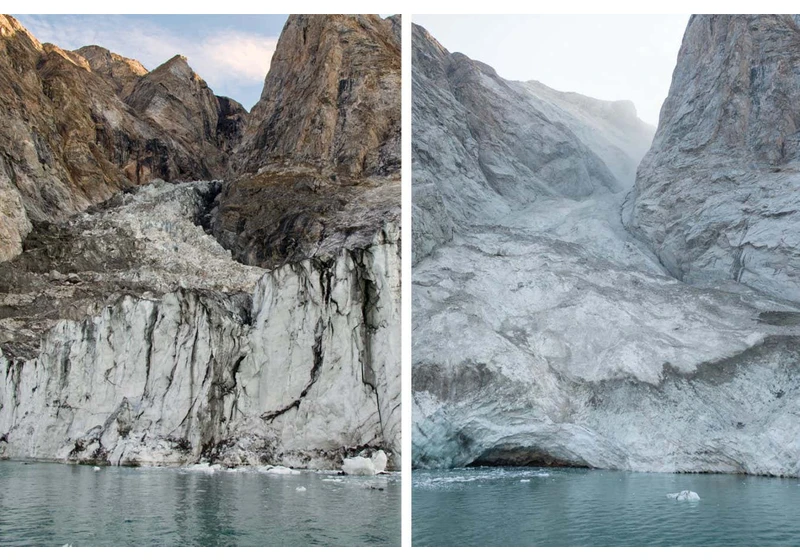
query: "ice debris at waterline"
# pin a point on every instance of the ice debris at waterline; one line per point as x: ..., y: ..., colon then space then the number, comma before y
x: 684, y: 496
x: 280, y: 470
x: 365, y: 466
x: 301, y: 488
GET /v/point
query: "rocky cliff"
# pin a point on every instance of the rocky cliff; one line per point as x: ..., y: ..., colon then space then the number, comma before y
x: 544, y: 333
x: 322, y: 147
x: 716, y: 197
x: 129, y: 335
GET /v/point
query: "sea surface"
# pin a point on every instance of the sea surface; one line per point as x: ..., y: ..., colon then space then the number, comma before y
x: 46, y: 504
x: 581, y: 507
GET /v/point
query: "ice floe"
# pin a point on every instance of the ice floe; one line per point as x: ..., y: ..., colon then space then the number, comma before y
x: 365, y: 466
x: 684, y: 496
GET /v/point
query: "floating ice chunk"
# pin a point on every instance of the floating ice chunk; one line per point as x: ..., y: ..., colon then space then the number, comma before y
x: 362, y: 466
x: 281, y: 470
x: 301, y: 488
x: 96, y: 469
x: 379, y: 460
x: 524, y: 479
x: 684, y: 496
x: 366, y: 466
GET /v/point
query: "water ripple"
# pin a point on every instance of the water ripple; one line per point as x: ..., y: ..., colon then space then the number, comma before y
x: 579, y: 507
x: 52, y: 505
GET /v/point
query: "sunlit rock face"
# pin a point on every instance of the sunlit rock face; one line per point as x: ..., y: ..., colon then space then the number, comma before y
x: 78, y: 129
x: 717, y: 195
x: 318, y: 167
x: 140, y: 331
x: 544, y: 333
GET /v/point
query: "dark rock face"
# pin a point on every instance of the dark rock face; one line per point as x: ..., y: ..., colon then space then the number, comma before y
x: 320, y: 155
x: 717, y: 196
x: 231, y: 120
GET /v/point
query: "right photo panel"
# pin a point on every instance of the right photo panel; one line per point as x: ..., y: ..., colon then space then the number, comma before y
x: 606, y: 280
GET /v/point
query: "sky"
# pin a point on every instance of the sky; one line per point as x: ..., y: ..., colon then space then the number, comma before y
x: 230, y: 52
x: 608, y: 57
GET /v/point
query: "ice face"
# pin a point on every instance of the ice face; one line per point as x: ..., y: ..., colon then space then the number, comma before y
x: 684, y: 496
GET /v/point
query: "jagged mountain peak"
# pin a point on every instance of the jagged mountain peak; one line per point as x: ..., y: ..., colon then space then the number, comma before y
x: 102, y: 57
x: 11, y: 27
x: 121, y: 71
x: 178, y: 66
x: 318, y: 166
x: 80, y: 126
x: 69, y: 56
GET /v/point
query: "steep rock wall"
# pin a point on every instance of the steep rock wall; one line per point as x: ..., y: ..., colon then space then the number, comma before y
x: 717, y: 195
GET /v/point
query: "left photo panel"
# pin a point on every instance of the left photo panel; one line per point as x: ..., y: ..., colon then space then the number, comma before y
x: 200, y: 280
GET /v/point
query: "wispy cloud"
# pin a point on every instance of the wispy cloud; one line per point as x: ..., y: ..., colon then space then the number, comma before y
x: 233, y: 62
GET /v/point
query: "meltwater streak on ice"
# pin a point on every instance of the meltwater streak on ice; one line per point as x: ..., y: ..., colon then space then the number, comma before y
x: 43, y: 504
x: 581, y: 507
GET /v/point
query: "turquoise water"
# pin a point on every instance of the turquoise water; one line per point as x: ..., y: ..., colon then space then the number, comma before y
x: 580, y: 507
x: 45, y: 504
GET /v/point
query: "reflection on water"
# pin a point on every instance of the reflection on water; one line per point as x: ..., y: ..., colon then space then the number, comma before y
x: 579, y: 507
x: 45, y: 504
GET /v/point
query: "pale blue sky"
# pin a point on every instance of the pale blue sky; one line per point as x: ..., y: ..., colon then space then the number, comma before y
x: 230, y: 52
x: 603, y: 56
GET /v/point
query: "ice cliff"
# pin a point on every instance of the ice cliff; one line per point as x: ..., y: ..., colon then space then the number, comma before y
x: 544, y: 331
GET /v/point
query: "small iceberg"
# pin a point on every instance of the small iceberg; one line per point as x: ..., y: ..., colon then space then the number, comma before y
x: 366, y: 466
x: 95, y: 469
x: 380, y: 460
x: 301, y: 488
x: 684, y: 496
x: 359, y: 466
x: 525, y: 480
